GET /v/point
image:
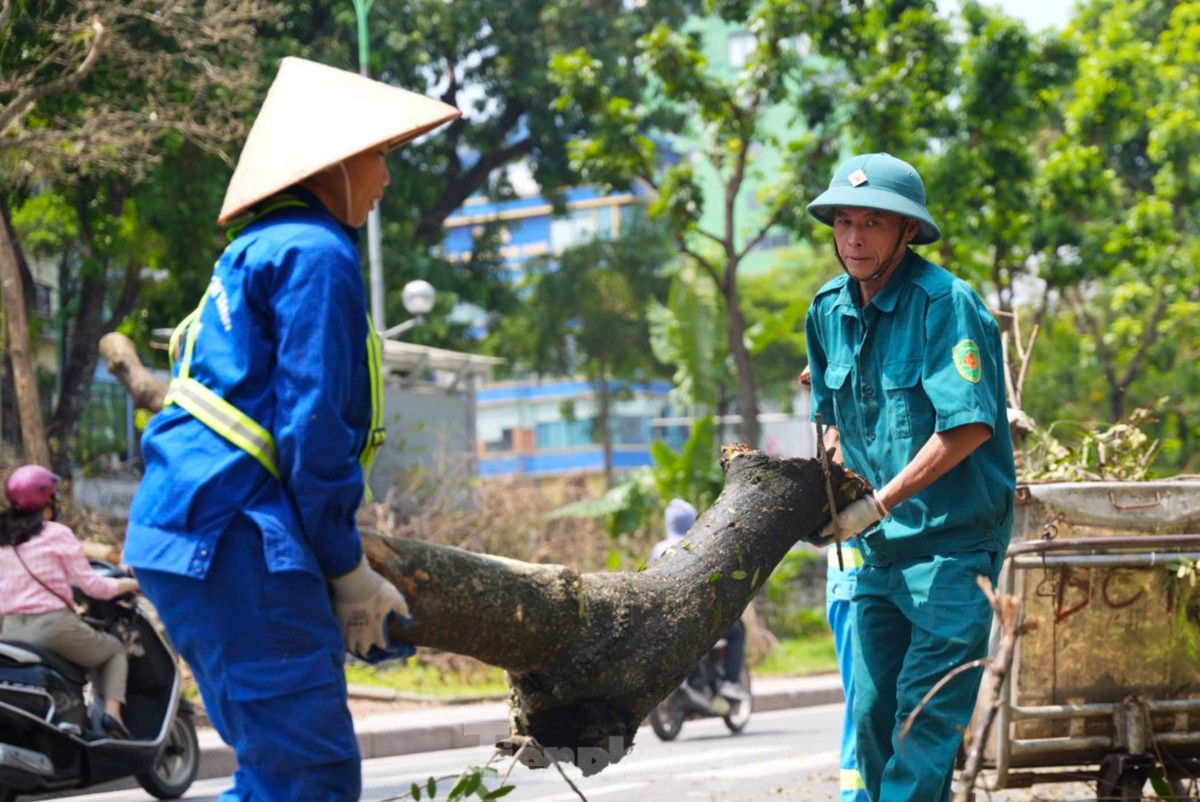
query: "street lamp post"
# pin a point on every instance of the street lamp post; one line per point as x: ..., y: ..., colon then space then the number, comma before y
x: 374, y: 237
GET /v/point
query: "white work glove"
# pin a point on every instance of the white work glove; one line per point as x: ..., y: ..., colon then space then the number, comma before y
x: 362, y: 601
x: 855, y: 519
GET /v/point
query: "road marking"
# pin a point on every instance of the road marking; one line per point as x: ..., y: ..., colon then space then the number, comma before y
x: 781, y: 766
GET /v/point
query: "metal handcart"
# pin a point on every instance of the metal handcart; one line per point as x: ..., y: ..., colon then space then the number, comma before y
x: 1107, y: 687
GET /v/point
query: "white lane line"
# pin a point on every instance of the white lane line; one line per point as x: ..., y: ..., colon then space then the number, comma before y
x: 781, y: 766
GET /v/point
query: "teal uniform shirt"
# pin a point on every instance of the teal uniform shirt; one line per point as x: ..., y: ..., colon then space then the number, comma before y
x: 922, y: 357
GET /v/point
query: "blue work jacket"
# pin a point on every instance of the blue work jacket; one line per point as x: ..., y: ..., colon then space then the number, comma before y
x: 923, y: 356
x: 283, y: 338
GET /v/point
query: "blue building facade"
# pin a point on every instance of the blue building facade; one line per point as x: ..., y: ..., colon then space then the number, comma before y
x: 541, y: 426
x: 548, y: 427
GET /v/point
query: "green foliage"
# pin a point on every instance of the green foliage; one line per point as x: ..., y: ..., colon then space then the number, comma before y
x: 1113, y: 452
x: 787, y: 615
x: 634, y: 504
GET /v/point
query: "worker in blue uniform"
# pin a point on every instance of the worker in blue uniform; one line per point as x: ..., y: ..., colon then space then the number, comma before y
x: 243, y: 530
x: 840, y: 574
x: 907, y: 368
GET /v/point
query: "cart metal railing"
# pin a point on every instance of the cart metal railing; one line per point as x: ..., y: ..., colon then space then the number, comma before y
x: 1107, y: 686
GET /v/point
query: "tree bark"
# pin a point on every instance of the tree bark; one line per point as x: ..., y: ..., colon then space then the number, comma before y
x: 588, y: 656
x: 20, y: 350
x: 122, y: 360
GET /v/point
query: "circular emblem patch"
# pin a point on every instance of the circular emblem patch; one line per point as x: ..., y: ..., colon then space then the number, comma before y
x: 968, y: 361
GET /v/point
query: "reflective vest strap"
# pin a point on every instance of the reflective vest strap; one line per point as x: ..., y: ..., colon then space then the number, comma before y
x: 225, y: 419
x: 283, y: 201
x: 377, y: 436
x: 851, y: 780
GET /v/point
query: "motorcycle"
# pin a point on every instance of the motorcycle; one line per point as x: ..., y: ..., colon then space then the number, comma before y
x: 698, y: 697
x: 52, y: 739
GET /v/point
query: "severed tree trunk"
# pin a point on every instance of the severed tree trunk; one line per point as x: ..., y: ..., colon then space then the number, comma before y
x: 588, y: 656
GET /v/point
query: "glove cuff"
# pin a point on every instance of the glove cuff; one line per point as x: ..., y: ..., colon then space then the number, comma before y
x: 880, y: 507
x: 355, y: 585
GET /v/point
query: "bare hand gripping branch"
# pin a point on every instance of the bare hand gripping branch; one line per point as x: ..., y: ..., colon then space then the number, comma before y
x: 589, y: 655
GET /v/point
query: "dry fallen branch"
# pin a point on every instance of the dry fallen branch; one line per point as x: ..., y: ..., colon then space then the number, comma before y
x: 1008, y: 611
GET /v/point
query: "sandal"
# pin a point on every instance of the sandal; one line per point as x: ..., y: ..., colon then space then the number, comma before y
x: 114, y: 728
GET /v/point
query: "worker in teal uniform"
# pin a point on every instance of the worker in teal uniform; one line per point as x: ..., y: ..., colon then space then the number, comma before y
x: 841, y: 573
x: 907, y: 369
x: 243, y: 530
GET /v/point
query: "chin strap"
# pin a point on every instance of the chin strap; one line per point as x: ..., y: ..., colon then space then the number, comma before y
x: 346, y: 179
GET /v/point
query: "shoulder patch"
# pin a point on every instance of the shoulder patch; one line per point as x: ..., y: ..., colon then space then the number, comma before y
x: 968, y: 361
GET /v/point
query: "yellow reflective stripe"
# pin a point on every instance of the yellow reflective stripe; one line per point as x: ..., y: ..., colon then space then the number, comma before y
x: 852, y: 780
x: 851, y: 557
x: 377, y: 435
x: 193, y: 330
x: 225, y: 419
x: 173, y: 346
x: 281, y: 202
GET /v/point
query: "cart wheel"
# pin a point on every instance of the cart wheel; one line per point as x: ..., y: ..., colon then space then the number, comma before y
x: 1122, y: 777
x: 1183, y: 790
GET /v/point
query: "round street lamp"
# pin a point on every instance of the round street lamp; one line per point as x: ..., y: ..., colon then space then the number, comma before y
x: 418, y: 297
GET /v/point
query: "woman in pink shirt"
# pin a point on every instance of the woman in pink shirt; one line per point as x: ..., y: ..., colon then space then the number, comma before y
x: 39, y: 560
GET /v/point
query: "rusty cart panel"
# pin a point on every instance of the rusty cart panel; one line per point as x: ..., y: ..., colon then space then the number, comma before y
x: 1113, y: 670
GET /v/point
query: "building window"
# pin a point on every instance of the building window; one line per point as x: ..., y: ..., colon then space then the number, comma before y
x: 43, y: 300
x: 741, y: 47
x: 574, y: 229
x: 773, y: 241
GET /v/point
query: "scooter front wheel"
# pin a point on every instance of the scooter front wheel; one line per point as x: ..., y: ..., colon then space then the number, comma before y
x: 177, y: 764
x: 667, y: 719
x: 739, y: 715
x: 7, y: 794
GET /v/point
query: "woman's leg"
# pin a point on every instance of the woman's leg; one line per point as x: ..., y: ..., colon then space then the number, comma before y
x: 64, y: 633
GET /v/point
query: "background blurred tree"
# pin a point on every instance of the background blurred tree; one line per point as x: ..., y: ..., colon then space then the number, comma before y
x: 586, y: 313
x: 869, y: 65
x: 94, y: 93
x: 1121, y: 210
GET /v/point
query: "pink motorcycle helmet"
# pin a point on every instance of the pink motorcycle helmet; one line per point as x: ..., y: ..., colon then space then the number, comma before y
x: 30, y: 488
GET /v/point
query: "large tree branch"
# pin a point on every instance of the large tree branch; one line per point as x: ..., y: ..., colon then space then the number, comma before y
x: 588, y: 656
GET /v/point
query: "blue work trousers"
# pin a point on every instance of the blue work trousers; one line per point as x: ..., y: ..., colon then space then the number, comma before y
x: 839, y: 588
x: 914, y: 622
x: 267, y: 653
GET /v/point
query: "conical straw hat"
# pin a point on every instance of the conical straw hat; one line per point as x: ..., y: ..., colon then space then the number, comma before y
x: 313, y: 117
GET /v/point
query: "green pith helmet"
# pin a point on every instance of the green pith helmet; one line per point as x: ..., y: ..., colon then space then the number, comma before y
x: 878, y: 181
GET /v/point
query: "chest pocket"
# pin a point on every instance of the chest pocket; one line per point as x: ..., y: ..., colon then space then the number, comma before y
x: 910, y: 413
x: 837, y: 379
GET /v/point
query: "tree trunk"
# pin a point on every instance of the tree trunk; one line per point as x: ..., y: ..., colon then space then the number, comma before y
x: 79, y: 371
x: 29, y: 408
x: 604, y: 421
x: 747, y: 392
x: 588, y: 656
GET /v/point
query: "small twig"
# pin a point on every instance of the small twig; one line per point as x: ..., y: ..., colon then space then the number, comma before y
x: 824, y: 459
x: 528, y: 742
x: 524, y: 744
x: 567, y: 779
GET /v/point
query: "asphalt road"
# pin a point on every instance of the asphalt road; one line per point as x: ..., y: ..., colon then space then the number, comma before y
x: 782, y: 755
